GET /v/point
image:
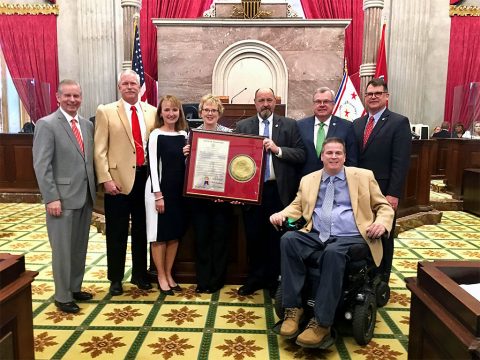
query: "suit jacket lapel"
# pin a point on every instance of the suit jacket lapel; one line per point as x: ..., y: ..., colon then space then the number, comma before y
x: 83, y: 129
x: 311, y: 129
x: 122, y: 114
x: 277, y: 123
x: 332, y: 127
x: 69, y: 131
x: 352, y: 182
x: 313, y: 190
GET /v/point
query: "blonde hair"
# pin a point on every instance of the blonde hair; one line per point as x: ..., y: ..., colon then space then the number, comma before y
x: 210, y: 99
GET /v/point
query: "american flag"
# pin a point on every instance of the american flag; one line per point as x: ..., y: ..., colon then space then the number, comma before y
x: 137, y: 63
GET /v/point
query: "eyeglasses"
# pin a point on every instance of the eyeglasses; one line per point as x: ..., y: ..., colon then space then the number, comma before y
x: 376, y: 93
x: 322, y: 102
x: 210, y: 111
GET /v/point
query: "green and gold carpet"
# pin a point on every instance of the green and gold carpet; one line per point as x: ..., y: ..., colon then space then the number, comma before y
x: 146, y: 325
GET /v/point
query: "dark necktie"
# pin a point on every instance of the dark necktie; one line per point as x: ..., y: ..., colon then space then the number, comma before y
x: 76, y: 132
x: 137, y: 137
x: 266, y: 133
x: 368, y: 130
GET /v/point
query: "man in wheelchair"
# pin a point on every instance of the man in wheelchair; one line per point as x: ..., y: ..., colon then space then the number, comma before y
x: 342, y: 206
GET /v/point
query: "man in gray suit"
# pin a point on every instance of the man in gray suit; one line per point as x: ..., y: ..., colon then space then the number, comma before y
x: 63, y: 163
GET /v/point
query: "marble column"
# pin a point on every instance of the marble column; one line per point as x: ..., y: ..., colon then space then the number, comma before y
x: 130, y: 9
x: 371, y: 36
x: 88, y: 49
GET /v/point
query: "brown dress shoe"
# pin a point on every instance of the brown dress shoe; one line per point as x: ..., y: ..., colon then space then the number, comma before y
x: 290, y: 323
x: 315, y: 336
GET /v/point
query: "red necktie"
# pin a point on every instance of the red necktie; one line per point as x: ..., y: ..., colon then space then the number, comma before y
x: 76, y: 132
x: 368, y: 130
x: 137, y: 137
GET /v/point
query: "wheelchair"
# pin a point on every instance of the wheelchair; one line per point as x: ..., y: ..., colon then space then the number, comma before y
x: 364, y: 290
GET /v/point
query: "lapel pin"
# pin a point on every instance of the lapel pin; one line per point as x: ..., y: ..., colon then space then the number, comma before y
x: 276, y: 125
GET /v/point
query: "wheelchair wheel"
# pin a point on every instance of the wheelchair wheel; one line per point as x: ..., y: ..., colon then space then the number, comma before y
x: 363, y: 322
x: 279, y: 310
x: 382, y: 294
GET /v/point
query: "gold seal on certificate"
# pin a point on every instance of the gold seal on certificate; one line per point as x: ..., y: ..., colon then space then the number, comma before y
x: 242, y: 168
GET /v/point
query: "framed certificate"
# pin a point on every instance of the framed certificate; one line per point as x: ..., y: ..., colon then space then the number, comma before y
x: 225, y: 166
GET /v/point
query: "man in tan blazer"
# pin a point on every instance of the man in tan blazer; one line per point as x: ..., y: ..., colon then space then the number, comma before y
x: 342, y: 206
x: 121, y: 134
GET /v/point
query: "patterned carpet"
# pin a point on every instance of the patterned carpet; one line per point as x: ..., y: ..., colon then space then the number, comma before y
x: 146, y: 325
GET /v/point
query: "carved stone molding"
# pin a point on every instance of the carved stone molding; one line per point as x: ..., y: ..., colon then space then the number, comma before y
x: 367, y: 4
x: 256, y: 49
x: 462, y: 10
x: 28, y: 9
x: 133, y: 3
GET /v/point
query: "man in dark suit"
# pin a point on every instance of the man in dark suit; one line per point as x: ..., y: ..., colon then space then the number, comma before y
x: 444, y: 132
x: 285, y: 153
x: 384, y: 142
x: 315, y: 129
x: 63, y: 163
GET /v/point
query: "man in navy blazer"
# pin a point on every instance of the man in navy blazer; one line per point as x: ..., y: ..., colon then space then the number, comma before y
x: 384, y: 142
x: 285, y: 155
x: 323, y: 104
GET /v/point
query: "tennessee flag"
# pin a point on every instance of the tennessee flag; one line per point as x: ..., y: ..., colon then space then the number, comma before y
x: 348, y: 105
x: 381, y: 69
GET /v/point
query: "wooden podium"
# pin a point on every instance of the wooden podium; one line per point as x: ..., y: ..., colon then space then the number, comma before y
x: 236, y: 112
x: 444, y: 318
x: 16, y: 322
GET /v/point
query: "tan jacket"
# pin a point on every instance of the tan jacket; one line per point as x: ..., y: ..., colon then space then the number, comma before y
x: 114, y: 148
x: 368, y: 204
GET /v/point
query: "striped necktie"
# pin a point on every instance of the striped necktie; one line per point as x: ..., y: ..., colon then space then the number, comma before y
x: 368, y: 130
x: 76, y: 132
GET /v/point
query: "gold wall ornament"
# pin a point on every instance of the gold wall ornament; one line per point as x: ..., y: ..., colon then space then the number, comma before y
x: 250, y: 10
x: 464, y: 10
x: 29, y: 9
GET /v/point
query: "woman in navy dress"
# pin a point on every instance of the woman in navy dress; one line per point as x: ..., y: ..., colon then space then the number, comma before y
x: 165, y: 205
x: 211, y: 219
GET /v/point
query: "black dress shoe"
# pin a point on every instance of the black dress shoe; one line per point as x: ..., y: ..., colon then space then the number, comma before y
x: 247, y: 289
x: 116, y: 288
x: 166, y: 292
x: 141, y: 284
x: 201, y: 290
x: 68, y: 307
x: 82, y: 296
x: 176, y: 288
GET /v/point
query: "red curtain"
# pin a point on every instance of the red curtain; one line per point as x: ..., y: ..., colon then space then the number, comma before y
x: 148, y: 32
x: 342, y: 9
x: 29, y: 44
x: 463, y: 70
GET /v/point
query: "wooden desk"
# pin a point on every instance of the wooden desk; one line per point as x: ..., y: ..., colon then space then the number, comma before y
x: 471, y: 191
x: 460, y: 154
x: 16, y: 322
x: 444, y: 318
x: 416, y: 194
x: 16, y: 164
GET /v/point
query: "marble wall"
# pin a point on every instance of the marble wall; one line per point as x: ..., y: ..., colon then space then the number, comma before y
x: 311, y: 50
